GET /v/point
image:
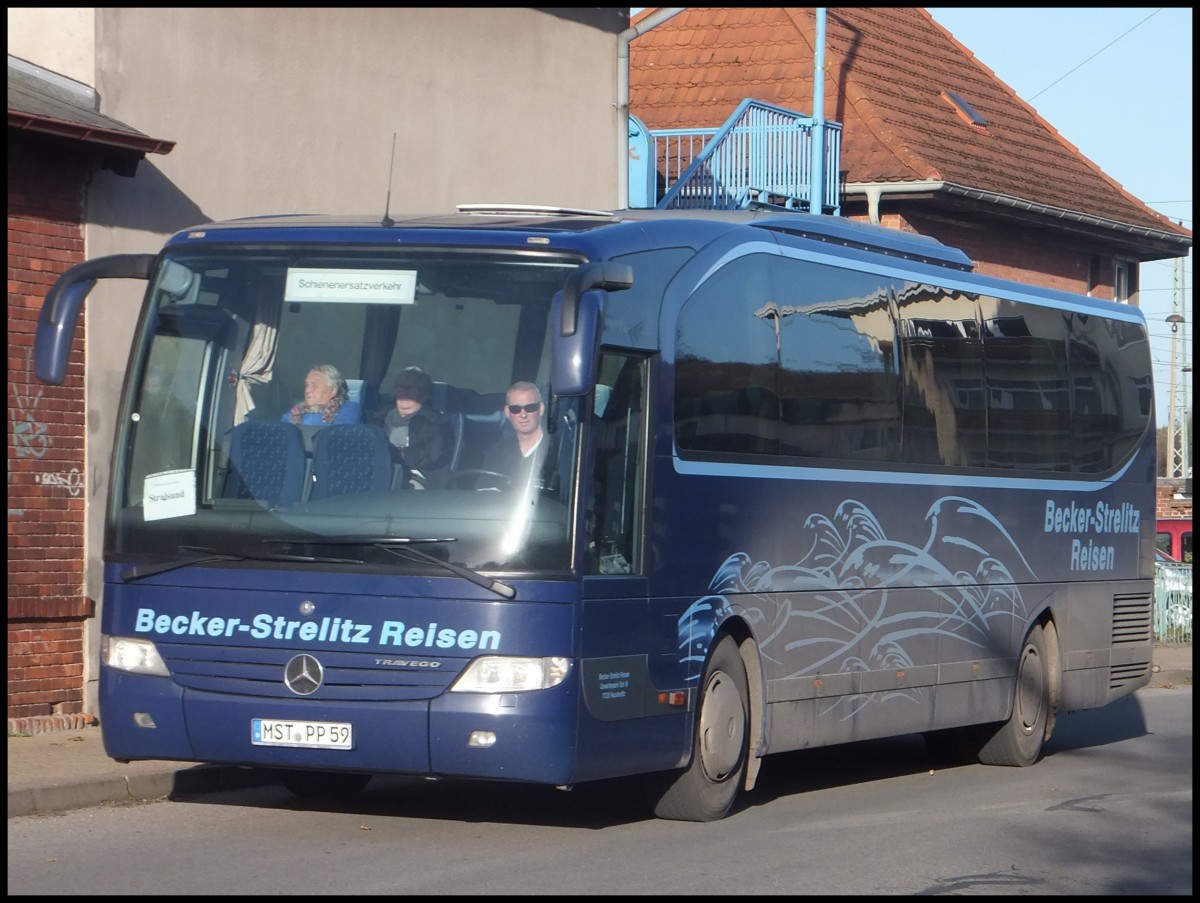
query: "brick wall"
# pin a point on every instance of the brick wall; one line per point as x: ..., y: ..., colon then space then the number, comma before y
x: 46, y: 605
x: 45, y: 668
x: 1023, y: 255
x: 1167, y: 503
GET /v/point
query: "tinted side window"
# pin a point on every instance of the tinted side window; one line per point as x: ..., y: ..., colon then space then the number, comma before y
x: 943, y: 407
x: 837, y: 372
x: 1028, y: 395
x: 631, y: 316
x: 1127, y: 351
x: 726, y: 363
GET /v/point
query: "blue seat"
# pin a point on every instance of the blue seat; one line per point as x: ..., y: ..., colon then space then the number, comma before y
x: 349, y: 458
x: 266, y: 463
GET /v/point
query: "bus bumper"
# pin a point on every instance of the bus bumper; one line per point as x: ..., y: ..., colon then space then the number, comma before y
x: 513, y: 737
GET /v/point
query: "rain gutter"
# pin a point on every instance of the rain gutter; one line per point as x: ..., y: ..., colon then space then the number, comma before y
x: 874, y: 191
x: 624, y: 39
x: 88, y: 134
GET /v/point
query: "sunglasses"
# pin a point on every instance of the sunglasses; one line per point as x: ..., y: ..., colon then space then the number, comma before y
x: 531, y: 408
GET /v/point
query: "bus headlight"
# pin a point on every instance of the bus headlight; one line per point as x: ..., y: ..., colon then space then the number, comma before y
x: 510, y: 674
x: 133, y: 655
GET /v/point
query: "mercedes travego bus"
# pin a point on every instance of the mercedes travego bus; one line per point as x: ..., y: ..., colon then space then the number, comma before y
x: 806, y: 482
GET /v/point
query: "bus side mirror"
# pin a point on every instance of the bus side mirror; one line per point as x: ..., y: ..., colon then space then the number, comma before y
x: 573, y: 371
x: 56, y: 323
x: 576, y: 321
x: 605, y: 274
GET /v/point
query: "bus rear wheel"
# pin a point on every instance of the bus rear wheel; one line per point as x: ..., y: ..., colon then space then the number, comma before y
x: 1018, y: 741
x: 323, y: 785
x: 707, y: 788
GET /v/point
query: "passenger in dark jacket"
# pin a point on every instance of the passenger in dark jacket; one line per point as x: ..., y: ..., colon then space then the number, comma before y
x: 518, y: 455
x: 419, y: 435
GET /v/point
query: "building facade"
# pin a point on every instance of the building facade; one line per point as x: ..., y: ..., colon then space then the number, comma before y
x: 255, y: 111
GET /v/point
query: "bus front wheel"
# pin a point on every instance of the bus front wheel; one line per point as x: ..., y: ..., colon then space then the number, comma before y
x: 707, y: 788
x: 1018, y: 741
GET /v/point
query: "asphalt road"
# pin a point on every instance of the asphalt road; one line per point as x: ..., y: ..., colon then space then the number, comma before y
x: 1108, y: 811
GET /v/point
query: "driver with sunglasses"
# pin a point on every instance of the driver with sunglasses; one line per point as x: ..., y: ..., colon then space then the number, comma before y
x: 518, y: 454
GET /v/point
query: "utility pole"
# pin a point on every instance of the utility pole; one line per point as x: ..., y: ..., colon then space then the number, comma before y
x: 1177, y: 414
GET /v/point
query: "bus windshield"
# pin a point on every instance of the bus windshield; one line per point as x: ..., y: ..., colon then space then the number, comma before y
x: 349, y: 408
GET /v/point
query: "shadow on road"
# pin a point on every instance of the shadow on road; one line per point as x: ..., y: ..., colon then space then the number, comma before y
x: 1122, y: 720
x: 628, y: 800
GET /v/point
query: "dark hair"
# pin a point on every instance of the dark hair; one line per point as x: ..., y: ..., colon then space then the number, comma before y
x: 417, y: 377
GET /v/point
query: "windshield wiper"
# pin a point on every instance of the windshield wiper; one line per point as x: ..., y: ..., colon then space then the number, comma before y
x: 148, y: 570
x: 406, y: 547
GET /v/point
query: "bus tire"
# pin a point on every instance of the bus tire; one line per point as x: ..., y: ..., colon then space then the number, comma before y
x: 323, y: 785
x: 707, y: 788
x: 1018, y: 741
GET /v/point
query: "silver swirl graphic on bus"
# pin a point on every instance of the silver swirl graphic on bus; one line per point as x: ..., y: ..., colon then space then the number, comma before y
x: 857, y: 600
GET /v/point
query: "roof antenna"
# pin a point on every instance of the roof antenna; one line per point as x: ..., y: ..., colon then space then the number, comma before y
x: 387, y: 204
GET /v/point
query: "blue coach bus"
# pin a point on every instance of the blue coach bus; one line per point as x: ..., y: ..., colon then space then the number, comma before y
x: 805, y: 482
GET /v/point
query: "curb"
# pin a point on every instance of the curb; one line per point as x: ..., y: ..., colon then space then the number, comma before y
x: 190, y: 780
x: 49, y: 724
x: 1173, y: 677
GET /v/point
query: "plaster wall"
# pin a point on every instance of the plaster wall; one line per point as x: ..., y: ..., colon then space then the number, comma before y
x: 61, y: 39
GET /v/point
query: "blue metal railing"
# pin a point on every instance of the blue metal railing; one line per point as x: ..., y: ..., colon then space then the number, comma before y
x: 1172, y: 603
x: 763, y: 153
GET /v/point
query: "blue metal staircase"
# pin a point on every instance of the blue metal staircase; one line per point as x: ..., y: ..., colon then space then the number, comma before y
x: 762, y: 154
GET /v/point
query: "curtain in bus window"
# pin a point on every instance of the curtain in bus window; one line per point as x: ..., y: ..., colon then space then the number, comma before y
x: 837, y: 376
x: 726, y: 363
x: 379, y: 346
x: 1028, y: 397
x: 943, y: 409
x: 258, y: 363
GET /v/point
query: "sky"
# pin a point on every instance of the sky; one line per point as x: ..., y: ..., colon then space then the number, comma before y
x: 1117, y: 84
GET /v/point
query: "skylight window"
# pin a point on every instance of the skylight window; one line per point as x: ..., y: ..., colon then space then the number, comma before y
x: 964, y: 110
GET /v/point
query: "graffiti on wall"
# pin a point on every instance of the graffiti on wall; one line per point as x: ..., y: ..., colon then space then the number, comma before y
x: 31, y: 436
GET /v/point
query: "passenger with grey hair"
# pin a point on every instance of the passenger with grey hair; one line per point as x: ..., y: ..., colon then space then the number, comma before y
x: 326, y: 400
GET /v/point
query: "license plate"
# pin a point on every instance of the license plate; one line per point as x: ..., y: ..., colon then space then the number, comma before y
x: 304, y: 734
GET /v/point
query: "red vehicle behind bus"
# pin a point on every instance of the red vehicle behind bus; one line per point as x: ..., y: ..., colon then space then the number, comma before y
x: 1173, y: 535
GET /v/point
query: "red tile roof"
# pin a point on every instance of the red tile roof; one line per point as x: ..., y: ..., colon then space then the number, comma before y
x: 885, y: 71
